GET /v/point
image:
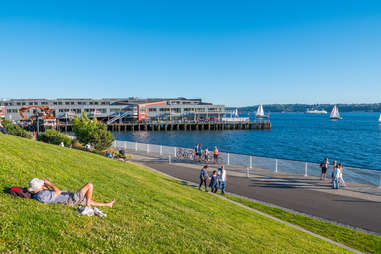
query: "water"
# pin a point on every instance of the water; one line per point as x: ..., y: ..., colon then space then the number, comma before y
x: 355, y: 141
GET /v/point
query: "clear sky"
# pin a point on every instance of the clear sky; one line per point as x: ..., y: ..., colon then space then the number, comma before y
x: 232, y: 52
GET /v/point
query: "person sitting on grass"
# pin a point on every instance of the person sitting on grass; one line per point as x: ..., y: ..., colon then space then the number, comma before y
x: 45, y: 192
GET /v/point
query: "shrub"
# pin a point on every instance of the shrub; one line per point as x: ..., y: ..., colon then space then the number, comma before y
x: 92, y: 132
x: 15, y: 130
x: 54, y: 137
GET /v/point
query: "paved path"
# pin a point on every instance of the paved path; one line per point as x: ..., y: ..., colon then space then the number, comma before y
x: 290, y: 193
x: 263, y: 214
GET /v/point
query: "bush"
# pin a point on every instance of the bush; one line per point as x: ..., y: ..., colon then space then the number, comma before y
x: 92, y: 132
x: 15, y: 130
x: 54, y: 137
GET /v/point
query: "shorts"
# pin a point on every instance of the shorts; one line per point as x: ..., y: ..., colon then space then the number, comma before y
x: 323, y: 170
x: 216, y: 156
x: 77, y: 198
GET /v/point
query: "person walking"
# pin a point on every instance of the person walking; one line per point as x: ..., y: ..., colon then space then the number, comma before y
x: 199, y: 152
x: 334, y: 164
x: 196, y: 151
x: 324, y: 166
x: 222, y: 179
x: 213, y: 182
x: 335, y: 178
x: 204, y: 177
x: 206, y: 154
x: 341, y: 179
x: 215, y: 155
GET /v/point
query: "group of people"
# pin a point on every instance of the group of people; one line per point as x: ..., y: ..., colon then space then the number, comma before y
x: 336, y: 175
x: 204, y: 154
x: 217, y: 179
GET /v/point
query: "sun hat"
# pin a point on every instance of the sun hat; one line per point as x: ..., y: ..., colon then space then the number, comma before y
x: 35, y: 184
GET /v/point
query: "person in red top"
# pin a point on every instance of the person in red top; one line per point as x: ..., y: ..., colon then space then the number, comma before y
x: 215, y: 154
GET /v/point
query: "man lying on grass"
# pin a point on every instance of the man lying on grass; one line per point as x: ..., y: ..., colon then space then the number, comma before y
x: 45, y: 192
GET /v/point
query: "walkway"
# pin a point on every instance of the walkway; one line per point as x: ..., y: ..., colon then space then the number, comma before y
x: 350, y: 206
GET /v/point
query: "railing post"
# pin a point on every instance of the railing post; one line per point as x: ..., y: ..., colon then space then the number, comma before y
x: 251, y: 161
x: 175, y: 153
x: 247, y: 172
x: 276, y: 165
x: 306, y: 169
x: 228, y: 162
x: 136, y: 146
x: 169, y: 159
x: 147, y: 148
x: 161, y: 150
x: 125, y: 146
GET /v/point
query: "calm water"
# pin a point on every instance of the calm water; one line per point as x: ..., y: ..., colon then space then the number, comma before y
x: 354, y: 141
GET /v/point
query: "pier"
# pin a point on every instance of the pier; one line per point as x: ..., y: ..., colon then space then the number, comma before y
x: 181, y: 126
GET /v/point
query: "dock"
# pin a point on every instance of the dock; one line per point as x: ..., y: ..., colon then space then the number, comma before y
x: 181, y: 126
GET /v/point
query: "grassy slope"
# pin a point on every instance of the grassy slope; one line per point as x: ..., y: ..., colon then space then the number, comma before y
x: 152, y: 214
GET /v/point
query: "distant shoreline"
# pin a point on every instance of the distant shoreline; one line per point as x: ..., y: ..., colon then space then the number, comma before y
x: 295, y: 108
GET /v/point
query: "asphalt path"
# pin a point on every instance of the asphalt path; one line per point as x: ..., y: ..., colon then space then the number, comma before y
x: 355, y: 212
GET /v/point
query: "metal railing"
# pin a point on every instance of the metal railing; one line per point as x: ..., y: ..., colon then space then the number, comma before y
x: 249, y: 164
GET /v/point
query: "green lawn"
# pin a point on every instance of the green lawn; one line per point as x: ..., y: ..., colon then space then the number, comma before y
x: 367, y: 243
x: 152, y: 214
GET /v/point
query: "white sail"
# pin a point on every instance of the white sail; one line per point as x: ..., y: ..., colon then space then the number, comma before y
x: 335, y: 113
x: 260, y: 111
x: 379, y: 119
x: 236, y: 113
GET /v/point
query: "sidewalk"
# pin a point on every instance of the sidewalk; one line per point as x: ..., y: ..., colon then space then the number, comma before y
x: 356, y: 205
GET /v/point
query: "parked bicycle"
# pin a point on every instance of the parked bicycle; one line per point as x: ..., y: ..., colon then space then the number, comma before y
x: 184, y: 154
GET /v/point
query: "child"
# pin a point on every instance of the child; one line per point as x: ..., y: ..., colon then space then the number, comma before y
x: 213, y: 182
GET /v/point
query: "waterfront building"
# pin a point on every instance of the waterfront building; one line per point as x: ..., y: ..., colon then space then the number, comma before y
x: 120, y: 110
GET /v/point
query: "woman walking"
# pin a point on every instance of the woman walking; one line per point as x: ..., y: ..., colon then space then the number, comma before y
x: 340, y: 179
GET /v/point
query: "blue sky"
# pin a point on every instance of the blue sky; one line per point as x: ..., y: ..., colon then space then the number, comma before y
x: 232, y: 52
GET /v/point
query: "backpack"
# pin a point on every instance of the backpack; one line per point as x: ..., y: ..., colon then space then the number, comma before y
x: 17, y: 191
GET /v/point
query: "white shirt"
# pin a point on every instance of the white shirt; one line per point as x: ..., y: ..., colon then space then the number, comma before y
x: 223, y: 176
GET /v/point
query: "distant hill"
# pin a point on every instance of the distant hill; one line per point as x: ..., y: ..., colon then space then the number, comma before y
x: 373, y: 107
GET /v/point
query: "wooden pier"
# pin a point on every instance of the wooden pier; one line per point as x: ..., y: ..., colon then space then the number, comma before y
x: 181, y: 126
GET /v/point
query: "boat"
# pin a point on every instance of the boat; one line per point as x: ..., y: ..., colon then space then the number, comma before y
x: 335, y: 115
x: 379, y: 120
x: 316, y: 111
x: 260, y: 114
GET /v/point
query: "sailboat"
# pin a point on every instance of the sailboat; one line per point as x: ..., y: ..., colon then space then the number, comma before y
x: 235, y: 113
x: 335, y: 115
x: 379, y: 120
x: 260, y: 113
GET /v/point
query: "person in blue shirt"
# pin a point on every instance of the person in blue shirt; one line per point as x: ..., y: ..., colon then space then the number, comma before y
x: 213, y: 182
x: 45, y: 192
x: 199, y: 152
x: 204, y: 177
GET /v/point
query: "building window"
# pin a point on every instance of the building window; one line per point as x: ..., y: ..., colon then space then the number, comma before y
x: 164, y: 109
x: 152, y: 109
x: 67, y: 103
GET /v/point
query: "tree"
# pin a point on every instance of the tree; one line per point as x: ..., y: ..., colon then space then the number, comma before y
x: 14, y: 129
x: 92, y: 132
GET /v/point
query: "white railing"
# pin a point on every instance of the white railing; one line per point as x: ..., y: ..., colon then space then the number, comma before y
x: 247, y: 163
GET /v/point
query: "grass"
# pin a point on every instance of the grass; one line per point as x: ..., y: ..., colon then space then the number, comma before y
x: 364, y: 242
x: 152, y: 214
